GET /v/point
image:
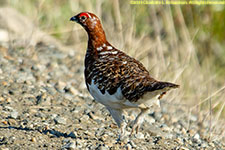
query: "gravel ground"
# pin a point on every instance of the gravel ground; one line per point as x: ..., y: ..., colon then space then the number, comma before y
x: 44, y: 105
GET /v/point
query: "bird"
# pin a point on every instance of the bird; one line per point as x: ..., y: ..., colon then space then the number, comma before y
x: 115, y: 79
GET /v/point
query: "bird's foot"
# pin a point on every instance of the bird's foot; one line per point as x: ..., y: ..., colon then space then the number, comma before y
x: 123, y: 132
x: 135, y: 127
x: 138, y: 121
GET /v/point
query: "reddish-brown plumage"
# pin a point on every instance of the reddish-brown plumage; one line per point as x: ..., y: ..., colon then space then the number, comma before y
x: 111, y: 69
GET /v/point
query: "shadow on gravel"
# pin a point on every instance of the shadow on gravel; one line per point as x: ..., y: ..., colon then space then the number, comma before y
x: 42, y: 131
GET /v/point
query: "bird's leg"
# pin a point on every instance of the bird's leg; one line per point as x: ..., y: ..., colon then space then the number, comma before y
x: 119, y: 118
x: 139, y: 119
x: 122, y: 131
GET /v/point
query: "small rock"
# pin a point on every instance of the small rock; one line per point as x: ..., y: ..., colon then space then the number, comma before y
x: 5, y: 148
x: 14, y: 114
x: 60, y: 86
x: 8, y: 99
x: 180, y: 140
x: 193, y: 118
x: 60, y: 120
x: 8, y: 108
x: 72, y: 135
x: 212, y: 144
x: 43, y: 99
x: 196, y: 138
x: 79, y: 143
x: 204, y: 145
x: 165, y: 127
x: 1, y: 99
x: 184, y: 148
x: 72, y: 90
x: 84, y: 118
x: 174, y: 119
x: 12, y: 121
x: 69, y: 145
x: 33, y: 140
x: 129, y: 147
x: 102, y: 148
x: 53, y: 116
x: 140, y: 135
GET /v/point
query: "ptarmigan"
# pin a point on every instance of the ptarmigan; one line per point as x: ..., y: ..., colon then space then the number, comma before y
x: 115, y: 79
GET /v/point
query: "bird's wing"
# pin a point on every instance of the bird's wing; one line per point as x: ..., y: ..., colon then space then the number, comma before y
x: 114, y: 69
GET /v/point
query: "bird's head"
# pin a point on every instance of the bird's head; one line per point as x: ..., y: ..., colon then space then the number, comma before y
x: 92, y: 25
x: 88, y: 20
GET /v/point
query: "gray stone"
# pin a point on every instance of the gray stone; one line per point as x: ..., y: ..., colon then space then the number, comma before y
x: 72, y: 135
x: 140, y: 135
x: 14, y: 114
x: 60, y: 120
x: 102, y: 148
x: 69, y: 145
x: 196, y: 138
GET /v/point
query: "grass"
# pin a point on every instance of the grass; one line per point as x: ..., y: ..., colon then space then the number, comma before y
x: 181, y: 44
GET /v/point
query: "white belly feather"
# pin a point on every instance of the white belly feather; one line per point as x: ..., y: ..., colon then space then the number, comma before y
x: 117, y: 99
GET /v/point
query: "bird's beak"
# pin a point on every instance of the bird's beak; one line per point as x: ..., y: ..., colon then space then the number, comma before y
x: 74, y: 18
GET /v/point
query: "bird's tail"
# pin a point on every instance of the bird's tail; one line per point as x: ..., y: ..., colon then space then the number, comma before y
x: 162, y: 87
x: 159, y: 85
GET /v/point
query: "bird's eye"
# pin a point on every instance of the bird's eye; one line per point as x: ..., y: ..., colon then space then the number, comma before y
x: 83, y: 18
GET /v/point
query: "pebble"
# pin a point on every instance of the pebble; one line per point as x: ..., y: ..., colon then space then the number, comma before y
x: 60, y: 86
x: 128, y: 147
x: 183, y: 148
x: 72, y: 135
x: 60, y: 120
x: 79, y: 143
x: 2, y: 99
x: 33, y: 140
x: 132, y: 144
x: 196, y: 138
x: 193, y: 118
x: 14, y: 114
x: 43, y: 99
x: 102, y: 148
x: 12, y: 121
x: 69, y: 145
x: 9, y: 108
x: 140, y: 135
x: 164, y: 127
x: 4, y: 122
x: 4, y: 148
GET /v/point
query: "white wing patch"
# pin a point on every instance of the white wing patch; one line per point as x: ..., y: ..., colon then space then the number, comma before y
x: 109, y: 47
x: 99, y: 48
x: 108, y: 52
x: 125, y: 62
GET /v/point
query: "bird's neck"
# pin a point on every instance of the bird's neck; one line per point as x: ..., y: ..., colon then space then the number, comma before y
x: 96, y: 38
